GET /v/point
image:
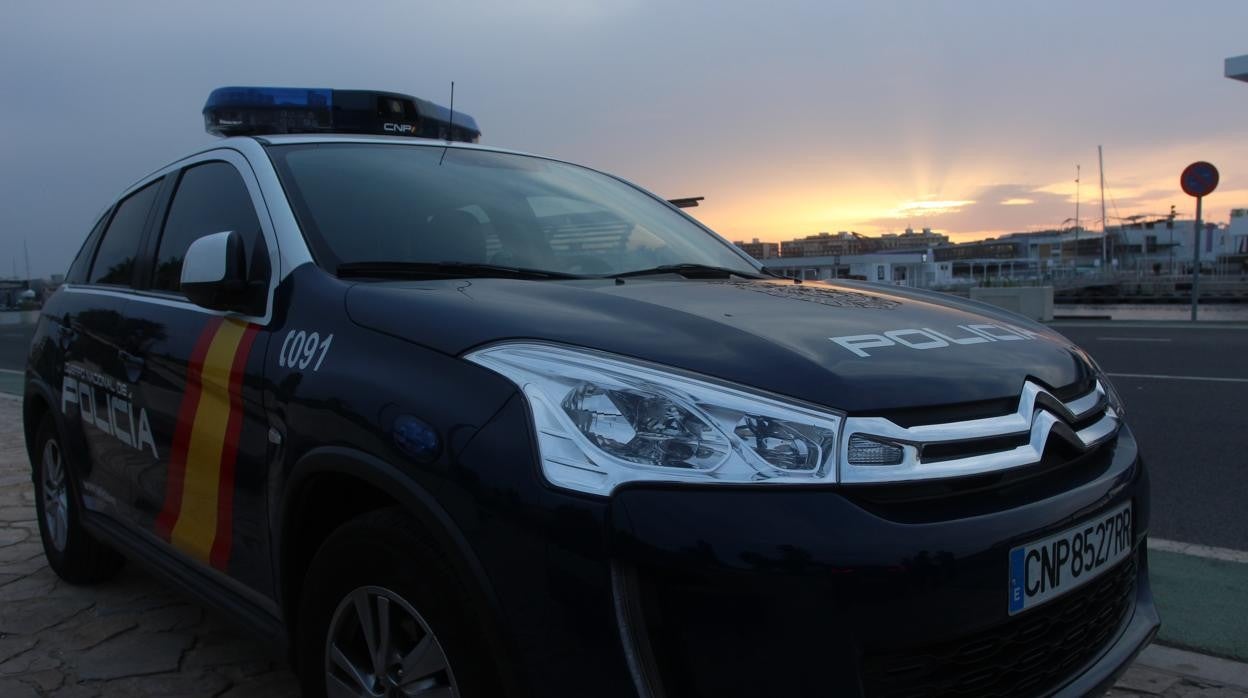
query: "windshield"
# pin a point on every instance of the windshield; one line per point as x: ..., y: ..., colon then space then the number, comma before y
x: 403, y: 204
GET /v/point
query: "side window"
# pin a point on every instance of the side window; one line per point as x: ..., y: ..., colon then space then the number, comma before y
x: 114, y: 262
x: 77, y: 273
x: 211, y: 198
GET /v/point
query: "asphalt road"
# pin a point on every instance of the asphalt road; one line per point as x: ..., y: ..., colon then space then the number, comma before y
x: 1185, y: 389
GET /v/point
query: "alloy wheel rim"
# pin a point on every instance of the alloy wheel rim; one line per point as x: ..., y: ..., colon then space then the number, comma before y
x: 379, y: 646
x: 55, y: 495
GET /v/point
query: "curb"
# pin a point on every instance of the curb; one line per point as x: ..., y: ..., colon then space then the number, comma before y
x: 1203, y: 667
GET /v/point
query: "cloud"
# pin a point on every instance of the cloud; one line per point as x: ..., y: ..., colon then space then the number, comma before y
x: 992, y: 208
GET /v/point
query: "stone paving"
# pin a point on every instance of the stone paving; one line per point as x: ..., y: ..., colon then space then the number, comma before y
x: 1141, y: 681
x: 134, y: 638
x: 131, y: 637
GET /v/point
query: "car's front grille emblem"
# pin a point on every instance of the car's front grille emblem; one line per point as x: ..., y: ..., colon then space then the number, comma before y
x: 976, y: 446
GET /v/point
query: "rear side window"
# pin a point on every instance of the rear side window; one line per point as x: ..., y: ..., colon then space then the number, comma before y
x: 211, y: 198
x: 114, y: 262
x: 77, y: 273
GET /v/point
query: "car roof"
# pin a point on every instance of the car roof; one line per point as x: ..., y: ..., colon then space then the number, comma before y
x: 251, y: 144
x: 305, y: 138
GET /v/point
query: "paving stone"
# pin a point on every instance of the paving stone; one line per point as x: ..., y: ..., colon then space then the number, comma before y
x: 73, y: 689
x: 93, y: 632
x: 33, y: 615
x: 1146, y: 681
x: 13, y: 534
x: 280, y: 685
x: 11, y: 479
x: 1214, y: 692
x: 165, y: 686
x: 12, y: 646
x: 31, y: 661
x: 45, y: 681
x: 25, y: 567
x: 19, y: 552
x: 12, y: 688
x: 133, y: 654
x: 19, y: 513
x: 175, y: 617
x: 31, y: 586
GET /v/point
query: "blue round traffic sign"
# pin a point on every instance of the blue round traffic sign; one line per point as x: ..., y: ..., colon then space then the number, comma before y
x: 1199, y: 179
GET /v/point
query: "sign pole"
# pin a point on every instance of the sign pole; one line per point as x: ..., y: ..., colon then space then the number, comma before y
x: 1196, y: 257
x: 1198, y: 180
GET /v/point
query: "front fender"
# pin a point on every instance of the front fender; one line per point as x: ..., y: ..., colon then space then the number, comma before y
x: 434, y: 520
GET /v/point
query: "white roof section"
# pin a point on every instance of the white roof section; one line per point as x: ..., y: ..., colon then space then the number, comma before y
x: 1237, y: 68
x: 303, y: 138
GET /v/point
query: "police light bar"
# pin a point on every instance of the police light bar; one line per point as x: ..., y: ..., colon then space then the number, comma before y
x: 258, y: 111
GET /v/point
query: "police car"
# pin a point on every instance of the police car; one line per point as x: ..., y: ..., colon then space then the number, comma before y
x: 442, y: 419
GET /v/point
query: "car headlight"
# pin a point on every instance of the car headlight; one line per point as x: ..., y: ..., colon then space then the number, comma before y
x: 603, y: 420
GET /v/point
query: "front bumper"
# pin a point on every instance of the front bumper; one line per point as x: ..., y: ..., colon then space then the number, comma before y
x: 765, y: 590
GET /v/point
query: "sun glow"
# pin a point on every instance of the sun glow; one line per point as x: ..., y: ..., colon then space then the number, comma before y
x: 928, y: 206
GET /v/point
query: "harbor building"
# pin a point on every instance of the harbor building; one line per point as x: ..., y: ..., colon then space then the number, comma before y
x: 760, y: 250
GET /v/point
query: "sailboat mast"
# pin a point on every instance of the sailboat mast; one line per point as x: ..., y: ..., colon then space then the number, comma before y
x: 1076, y: 216
x: 1104, y: 221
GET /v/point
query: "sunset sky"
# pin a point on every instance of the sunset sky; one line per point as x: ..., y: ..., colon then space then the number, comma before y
x: 790, y: 117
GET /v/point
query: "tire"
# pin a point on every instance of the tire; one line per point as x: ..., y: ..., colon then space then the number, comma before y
x: 380, y: 555
x: 72, y: 553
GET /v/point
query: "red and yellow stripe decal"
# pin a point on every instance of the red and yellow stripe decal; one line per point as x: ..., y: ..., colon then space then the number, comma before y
x: 199, y: 492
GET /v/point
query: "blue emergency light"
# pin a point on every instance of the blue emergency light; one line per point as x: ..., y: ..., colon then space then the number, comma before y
x: 258, y: 111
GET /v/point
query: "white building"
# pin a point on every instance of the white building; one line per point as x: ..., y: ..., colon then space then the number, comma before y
x: 918, y: 268
x: 1156, y: 247
x: 1238, y: 231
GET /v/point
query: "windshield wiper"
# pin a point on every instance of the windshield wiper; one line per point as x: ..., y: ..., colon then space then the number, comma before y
x: 428, y: 270
x: 692, y: 270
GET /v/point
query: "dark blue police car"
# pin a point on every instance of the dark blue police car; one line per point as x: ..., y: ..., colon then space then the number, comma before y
x: 447, y: 420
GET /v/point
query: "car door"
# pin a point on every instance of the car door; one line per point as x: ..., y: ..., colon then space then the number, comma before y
x: 97, y: 390
x: 204, y: 495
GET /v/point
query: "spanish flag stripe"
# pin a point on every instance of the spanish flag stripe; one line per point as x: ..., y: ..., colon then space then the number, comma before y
x: 197, y: 521
x: 224, y: 539
x: 182, y: 432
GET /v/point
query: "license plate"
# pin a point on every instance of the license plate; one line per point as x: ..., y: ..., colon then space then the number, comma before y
x: 1045, y: 569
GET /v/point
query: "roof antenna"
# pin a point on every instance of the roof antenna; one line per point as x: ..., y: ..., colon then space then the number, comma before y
x: 450, y: 124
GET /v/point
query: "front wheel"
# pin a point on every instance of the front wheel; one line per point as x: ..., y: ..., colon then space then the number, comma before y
x: 381, y: 615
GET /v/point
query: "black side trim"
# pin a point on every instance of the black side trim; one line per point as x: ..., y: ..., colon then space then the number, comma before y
x: 634, y: 635
x: 180, y: 576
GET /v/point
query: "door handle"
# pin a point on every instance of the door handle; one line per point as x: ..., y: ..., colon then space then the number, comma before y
x: 134, y: 365
x: 65, y: 332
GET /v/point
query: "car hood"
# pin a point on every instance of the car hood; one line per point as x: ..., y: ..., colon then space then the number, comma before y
x: 855, y: 347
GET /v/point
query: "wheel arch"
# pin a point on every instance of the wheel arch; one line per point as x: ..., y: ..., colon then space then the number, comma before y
x: 37, y: 403
x: 342, y: 476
